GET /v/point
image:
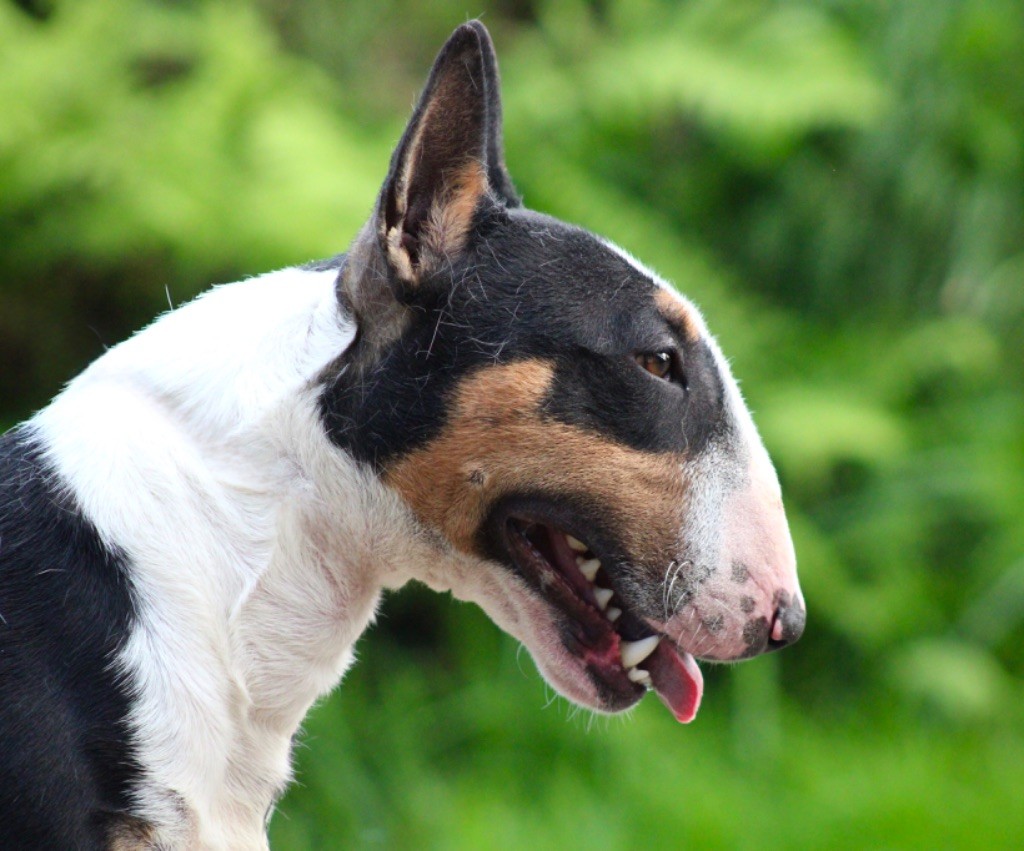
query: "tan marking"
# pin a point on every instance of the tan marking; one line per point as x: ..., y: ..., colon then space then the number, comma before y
x: 452, y: 215
x: 497, y: 428
x: 446, y: 227
x: 678, y: 314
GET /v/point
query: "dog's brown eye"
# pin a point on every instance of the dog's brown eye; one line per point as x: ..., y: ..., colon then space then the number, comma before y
x: 658, y: 364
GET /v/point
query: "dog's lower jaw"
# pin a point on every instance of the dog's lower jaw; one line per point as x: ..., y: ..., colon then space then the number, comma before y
x: 518, y: 610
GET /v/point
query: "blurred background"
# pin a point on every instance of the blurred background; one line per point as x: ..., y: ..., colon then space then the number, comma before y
x: 838, y: 184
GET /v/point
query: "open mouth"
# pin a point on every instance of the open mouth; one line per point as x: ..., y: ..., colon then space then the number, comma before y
x: 621, y: 653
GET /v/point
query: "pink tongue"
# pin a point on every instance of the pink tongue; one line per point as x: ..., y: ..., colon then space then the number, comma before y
x: 677, y: 680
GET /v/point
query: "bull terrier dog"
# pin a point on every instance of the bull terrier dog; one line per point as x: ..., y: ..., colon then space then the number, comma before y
x: 498, y: 404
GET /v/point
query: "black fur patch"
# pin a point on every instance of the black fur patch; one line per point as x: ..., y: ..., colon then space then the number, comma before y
x: 66, y: 766
x: 529, y: 286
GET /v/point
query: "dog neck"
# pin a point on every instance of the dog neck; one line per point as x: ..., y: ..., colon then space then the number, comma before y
x: 257, y: 549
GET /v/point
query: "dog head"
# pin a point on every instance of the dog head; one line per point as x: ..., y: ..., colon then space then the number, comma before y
x: 558, y: 417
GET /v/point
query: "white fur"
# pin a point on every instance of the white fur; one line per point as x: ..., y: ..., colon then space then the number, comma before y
x: 258, y: 550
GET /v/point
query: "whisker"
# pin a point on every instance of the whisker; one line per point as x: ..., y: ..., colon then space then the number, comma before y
x: 666, y: 597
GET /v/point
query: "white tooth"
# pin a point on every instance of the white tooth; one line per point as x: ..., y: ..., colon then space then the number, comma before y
x: 604, y: 596
x: 639, y: 675
x: 576, y: 545
x: 588, y: 567
x: 613, y: 614
x: 634, y: 652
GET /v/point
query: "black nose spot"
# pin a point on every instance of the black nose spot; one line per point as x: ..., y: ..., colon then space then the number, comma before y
x: 714, y: 624
x: 756, y: 635
x: 792, y: 617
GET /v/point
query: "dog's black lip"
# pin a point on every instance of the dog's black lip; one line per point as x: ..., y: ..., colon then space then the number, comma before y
x: 517, y: 541
x: 585, y: 631
x: 583, y: 628
x: 568, y: 520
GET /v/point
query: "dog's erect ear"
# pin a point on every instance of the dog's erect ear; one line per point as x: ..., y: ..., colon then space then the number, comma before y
x: 448, y: 160
x: 501, y: 180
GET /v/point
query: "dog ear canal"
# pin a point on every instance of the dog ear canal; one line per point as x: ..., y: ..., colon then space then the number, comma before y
x: 447, y: 161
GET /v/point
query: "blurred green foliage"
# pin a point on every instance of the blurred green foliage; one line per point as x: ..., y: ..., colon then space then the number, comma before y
x: 839, y: 184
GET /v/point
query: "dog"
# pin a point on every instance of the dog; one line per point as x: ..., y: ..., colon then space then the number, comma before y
x: 195, y: 532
